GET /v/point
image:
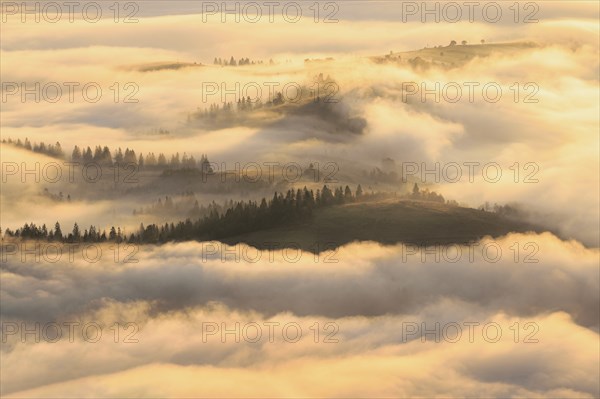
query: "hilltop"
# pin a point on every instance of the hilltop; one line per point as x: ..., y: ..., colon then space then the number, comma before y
x: 389, y: 222
x: 453, y: 55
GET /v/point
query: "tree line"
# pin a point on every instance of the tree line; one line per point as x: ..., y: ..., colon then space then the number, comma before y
x: 242, y: 104
x: 54, y: 150
x: 217, y: 222
x: 227, y: 109
x: 242, y: 61
x: 103, y: 156
x: 240, y: 218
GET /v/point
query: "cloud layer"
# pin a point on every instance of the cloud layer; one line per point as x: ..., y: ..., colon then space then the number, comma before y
x: 378, y: 305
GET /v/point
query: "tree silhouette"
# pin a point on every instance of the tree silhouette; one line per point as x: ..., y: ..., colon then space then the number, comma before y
x: 359, y: 191
x: 76, y: 235
x: 58, y: 235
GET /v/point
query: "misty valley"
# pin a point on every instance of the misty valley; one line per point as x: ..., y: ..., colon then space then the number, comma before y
x: 300, y: 199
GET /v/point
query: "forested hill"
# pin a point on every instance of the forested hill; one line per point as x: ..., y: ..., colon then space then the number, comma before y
x: 388, y: 221
x: 313, y: 222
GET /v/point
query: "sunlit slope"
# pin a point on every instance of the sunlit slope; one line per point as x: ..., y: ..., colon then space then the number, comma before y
x: 387, y: 222
x: 455, y: 55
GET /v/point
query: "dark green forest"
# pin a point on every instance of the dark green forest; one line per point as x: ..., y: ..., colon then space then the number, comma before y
x: 242, y: 217
x: 217, y: 223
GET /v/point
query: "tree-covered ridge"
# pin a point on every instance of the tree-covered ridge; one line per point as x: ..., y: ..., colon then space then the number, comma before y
x: 217, y: 223
x: 104, y: 156
x: 241, y: 62
x: 321, y: 91
x: 241, y: 217
x: 244, y: 61
x: 53, y: 150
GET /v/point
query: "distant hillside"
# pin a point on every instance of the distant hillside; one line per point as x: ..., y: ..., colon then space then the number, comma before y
x: 453, y: 55
x: 161, y: 66
x: 442, y: 55
x: 388, y: 222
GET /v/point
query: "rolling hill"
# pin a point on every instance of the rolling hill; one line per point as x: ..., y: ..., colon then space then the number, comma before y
x: 454, y: 55
x: 387, y: 222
